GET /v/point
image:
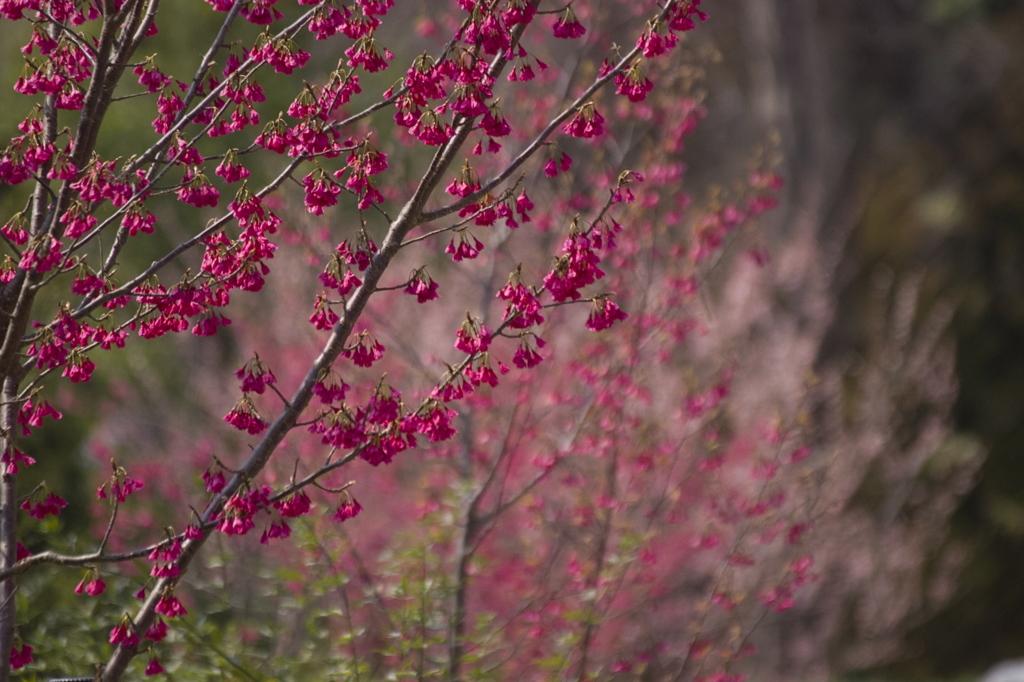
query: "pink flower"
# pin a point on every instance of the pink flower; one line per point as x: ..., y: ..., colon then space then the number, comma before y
x: 653, y: 42
x: 361, y: 256
x: 121, y: 486
x: 577, y: 268
x: 494, y: 123
x: 123, y: 634
x: 182, y: 153
x: 255, y: 376
x: 519, y: 12
x: 231, y: 168
x: 472, y: 337
x: 167, y: 552
x: 283, y: 55
x: 480, y: 372
x: 523, y: 307
x: 321, y: 192
x: 214, y: 481
x: 77, y: 220
x: 196, y: 189
x: 523, y: 205
x: 79, y: 368
x: 323, y: 317
x: 365, y: 53
x: 87, y: 283
x: 384, y: 406
x: 14, y: 229
x: 244, y: 417
x: 465, y: 183
x: 455, y: 388
x: 294, y: 506
x: 276, y: 137
x: 347, y: 510
x: 260, y: 13
x: 170, y: 606
x: 422, y: 287
x: 337, y: 275
x: 633, y: 84
x: 157, y: 631
x: 236, y: 518
x: 42, y: 256
x: 329, y: 387
x: 587, y: 122
x: 20, y: 657
x: 150, y: 76
x: 366, y: 351
x: 679, y: 18
x: 424, y: 81
x: 526, y: 355
x: 568, y: 26
x: 193, y: 532
x: 12, y: 457
x: 433, y: 420
x: 134, y: 221
x: 338, y: 429
x: 63, y: 168
x: 468, y: 98
x: 558, y: 162
x: 277, y: 529
x: 431, y: 130
x: 40, y: 39
x: 604, y: 314
x: 92, y: 584
x: 154, y: 667
x: 523, y: 71
x: 461, y: 248
x: 29, y: 416
x: 165, y: 571
x: 41, y: 508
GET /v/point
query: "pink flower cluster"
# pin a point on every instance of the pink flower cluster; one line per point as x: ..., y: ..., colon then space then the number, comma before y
x: 40, y: 506
x: 421, y: 286
x: 255, y: 376
x: 92, y: 584
x: 366, y: 351
x: 120, y: 485
x: 235, y: 518
x: 32, y: 415
x: 244, y: 417
x: 575, y: 269
x: 21, y: 655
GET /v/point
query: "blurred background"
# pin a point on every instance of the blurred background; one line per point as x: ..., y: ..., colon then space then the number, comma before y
x: 901, y: 127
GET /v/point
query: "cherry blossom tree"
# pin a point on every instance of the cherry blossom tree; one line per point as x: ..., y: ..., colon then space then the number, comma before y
x: 594, y: 511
